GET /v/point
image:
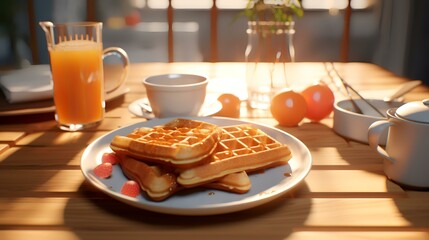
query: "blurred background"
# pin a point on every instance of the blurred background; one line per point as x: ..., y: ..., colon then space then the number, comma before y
x: 391, y: 33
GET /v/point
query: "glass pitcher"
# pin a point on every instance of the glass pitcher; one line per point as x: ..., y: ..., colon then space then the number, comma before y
x: 76, y: 59
x: 270, y: 46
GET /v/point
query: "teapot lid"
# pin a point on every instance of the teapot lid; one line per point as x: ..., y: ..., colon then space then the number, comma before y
x: 417, y: 111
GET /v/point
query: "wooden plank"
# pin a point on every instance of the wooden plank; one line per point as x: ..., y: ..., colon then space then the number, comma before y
x: 357, y: 157
x: 3, y: 147
x: 170, y: 35
x: 59, y: 138
x: 11, y: 137
x: 48, y: 235
x: 347, y: 181
x: 278, y: 217
x: 107, y: 124
x: 180, y: 234
x: 24, y: 126
x: 345, y: 39
x: 121, y: 112
x: 110, y: 124
x: 213, y: 33
x: 388, y: 234
x: 91, y: 11
x: 39, y: 157
x: 332, y: 183
x: 32, y: 29
x: 32, y: 182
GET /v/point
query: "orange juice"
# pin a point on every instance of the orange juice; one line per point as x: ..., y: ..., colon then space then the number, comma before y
x: 77, y: 72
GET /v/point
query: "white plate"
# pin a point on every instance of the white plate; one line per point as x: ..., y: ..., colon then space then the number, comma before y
x: 266, y: 186
x: 210, y: 107
x: 45, y: 106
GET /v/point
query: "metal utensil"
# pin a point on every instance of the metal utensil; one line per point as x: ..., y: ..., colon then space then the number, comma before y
x: 402, y: 90
x: 356, y: 107
x: 348, y: 87
x: 145, y: 107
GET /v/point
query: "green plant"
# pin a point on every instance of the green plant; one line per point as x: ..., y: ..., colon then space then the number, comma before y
x: 273, y: 10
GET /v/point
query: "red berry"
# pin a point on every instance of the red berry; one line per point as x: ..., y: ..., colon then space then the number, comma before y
x: 131, y: 188
x: 109, y: 158
x: 103, y: 170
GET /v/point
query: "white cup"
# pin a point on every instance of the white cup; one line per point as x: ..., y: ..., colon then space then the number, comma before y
x: 175, y: 95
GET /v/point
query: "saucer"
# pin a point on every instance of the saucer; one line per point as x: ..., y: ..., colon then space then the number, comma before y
x: 210, y: 107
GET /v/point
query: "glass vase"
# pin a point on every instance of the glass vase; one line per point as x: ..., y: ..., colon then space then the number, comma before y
x: 269, y: 48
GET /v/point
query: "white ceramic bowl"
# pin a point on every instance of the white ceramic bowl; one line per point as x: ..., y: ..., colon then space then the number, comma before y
x: 353, y: 125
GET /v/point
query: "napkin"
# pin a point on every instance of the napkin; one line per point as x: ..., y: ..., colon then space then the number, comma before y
x: 28, y: 84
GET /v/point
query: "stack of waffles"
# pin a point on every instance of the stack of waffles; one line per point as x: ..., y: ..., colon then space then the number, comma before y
x: 188, y: 153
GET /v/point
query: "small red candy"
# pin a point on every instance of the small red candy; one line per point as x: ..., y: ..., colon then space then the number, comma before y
x: 103, y: 170
x: 109, y: 158
x: 131, y: 188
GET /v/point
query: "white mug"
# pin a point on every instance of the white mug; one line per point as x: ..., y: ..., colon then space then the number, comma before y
x: 406, y: 154
x: 175, y: 95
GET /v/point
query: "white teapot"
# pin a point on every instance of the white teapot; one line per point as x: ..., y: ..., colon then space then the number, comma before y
x: 407, y: 148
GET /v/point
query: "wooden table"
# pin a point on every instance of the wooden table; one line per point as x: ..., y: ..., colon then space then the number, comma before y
x: 43, y: 194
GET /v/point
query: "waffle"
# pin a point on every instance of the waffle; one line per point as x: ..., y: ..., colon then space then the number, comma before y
x: 181, y: 142
x: 159, y: 182
x: 240, y: 148
x: 235, y: 182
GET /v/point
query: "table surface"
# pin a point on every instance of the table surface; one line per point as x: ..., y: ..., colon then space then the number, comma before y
x: 43, y: 194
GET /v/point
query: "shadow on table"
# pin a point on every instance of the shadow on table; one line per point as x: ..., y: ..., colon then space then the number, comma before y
x: 95, y: 212
x: 349, y: 154
x: 413, y: 206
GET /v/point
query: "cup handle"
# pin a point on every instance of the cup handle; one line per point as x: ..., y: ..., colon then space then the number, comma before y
x: 121, y: 54
x: 374, y: 133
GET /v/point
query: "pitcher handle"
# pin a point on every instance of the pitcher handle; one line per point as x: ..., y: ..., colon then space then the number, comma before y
x: 121, y: 54
x: 374, y: 132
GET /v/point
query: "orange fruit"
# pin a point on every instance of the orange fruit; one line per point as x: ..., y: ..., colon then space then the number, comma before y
x: 230, y: 105
x: 320, y: 101
x: 288, y: 108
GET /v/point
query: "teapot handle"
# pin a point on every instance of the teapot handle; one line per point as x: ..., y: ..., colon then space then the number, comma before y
x: 374, y: 133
